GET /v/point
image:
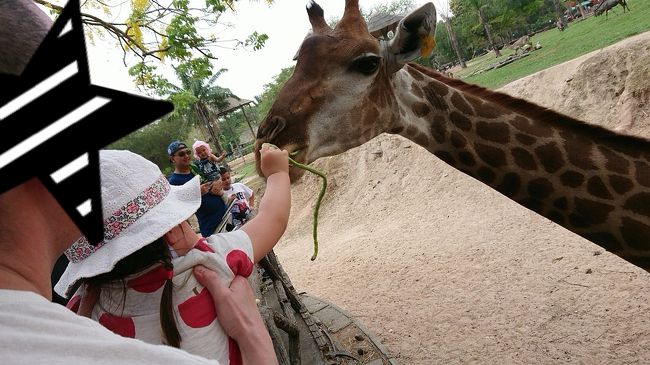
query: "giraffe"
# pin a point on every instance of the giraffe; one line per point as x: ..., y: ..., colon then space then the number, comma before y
x: 347, y: 88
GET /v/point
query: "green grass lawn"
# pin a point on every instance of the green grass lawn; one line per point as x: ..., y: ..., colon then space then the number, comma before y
x: 579, y: 38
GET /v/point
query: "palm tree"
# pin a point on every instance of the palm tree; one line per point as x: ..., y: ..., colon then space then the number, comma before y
x: 197, y: 99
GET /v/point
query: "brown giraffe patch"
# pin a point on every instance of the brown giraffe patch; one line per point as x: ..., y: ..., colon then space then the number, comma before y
x: 523, y: 159
x: 529, y: 127
x: 460, y: 121
x: 490, y: 155
x: 614, y: 162
x: 620, y: 184
x: 488, y: 110
x: 457, y: 140
x: 533, y: 204
x: 572, y: 179
x: 397, y: 130
x: 592, y: 211
x: 417, y: 91
x: 486, y: 174
x: 636, y: 234
x: 495, y: 132
x: 640, y: 204
x: 642, y: 173
x: 597, y: 188
x: 459, y: 102
x: 550, y: 157
x: 561, y: 203
x: 421, y: 109
x: 371, y: 116
x: 432, y: 93
x: 439, y: 129
x: 466, y: 158
x: 525, y: 139
x: 605, y: 240
x: 415, y: 73
x: 510, y: 184
x: 578, y: 221
x: 556, y: 217
x: 540, y: 188
x: 421, y: 139
x: 446, y: 156
x: 578, y: 150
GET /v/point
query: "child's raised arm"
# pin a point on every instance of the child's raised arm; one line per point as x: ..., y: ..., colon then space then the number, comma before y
x: 271, y: 220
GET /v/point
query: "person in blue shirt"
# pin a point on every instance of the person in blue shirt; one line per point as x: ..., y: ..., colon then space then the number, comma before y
x: 212, y: 208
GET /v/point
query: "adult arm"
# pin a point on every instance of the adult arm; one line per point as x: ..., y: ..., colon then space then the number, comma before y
x: 238, y: 315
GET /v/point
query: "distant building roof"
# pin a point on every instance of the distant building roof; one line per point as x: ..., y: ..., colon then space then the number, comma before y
x: 233, y: 104
x: 380, y: 24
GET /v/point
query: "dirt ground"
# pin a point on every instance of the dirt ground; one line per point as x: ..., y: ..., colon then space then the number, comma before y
x: 445, y: 270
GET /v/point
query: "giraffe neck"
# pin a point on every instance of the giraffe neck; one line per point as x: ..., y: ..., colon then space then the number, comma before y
x: 591, y: 181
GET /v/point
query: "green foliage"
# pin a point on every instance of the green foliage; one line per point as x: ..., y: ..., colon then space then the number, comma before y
x: 579, y: 38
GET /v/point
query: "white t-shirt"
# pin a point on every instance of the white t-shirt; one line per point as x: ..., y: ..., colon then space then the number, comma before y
x: 36, y: 331
x: 228, y: 254
x: 240, y: 191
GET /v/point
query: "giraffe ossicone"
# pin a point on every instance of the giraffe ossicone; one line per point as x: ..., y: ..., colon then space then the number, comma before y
x: 348, y: 87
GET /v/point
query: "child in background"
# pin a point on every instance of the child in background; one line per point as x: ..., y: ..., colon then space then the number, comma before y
x: 138, y: 282
x: 241, y: 194
x: 206, y: 161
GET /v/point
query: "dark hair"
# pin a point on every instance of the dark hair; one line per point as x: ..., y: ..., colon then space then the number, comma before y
x: 154, y: 253
x: 223, y: 170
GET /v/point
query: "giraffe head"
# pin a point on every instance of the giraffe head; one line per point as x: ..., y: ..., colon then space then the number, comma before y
x: 341, y: 92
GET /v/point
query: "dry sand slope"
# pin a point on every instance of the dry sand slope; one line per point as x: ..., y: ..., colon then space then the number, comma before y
x: 446, y: 270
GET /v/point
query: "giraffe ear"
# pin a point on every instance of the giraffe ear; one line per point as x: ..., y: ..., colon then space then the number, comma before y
x: 414, y: 37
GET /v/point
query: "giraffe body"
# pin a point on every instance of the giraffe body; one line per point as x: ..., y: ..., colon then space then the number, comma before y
x: 348, y: 88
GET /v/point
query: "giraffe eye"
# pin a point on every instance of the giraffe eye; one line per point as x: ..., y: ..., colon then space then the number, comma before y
x: 366, y: 65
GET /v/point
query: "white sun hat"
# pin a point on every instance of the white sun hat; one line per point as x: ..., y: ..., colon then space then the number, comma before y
x: 139, y: 206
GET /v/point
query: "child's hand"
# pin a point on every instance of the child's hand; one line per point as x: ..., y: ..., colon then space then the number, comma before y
x: 273, y: 160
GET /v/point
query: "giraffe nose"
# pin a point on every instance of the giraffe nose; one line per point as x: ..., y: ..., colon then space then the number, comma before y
x: 272, y: 128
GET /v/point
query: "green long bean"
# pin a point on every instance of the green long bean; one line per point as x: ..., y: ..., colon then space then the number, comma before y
x: 320, y: 195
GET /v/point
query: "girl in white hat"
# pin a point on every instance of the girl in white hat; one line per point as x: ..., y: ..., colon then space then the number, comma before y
x: 138, y: 282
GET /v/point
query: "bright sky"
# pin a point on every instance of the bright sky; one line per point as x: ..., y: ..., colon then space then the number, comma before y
x: 285, y: 22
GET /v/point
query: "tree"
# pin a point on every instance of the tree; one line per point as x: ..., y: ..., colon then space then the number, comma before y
x: 479, y: 7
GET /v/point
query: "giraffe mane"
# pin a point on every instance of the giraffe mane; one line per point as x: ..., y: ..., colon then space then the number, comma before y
x: 537, y: 112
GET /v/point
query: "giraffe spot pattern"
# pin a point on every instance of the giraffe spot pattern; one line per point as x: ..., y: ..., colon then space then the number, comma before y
x: 510, y: 184
x: 397, y: 130
x: 550, y: 157
x: 533, y: 204
x: 371, y: 116
x: 461, y: 104
x: 438, y: 129
x: 572, y: 179
x: 421, y: 139
x: 446, y: 156
x: 486, y: 174
x: 421, y: 109
x: 561, y: 203
x: 457, y: 140
x: 525, y: 139
x: 597, y: 188
x: 415, y: 74
x: 490, y: 155
x: 417, y: 91
x: 614, y: 162
x: 635, y: 233
x: 466, y: 158
x: 620, y: 184
x: 579, y: 151
x: 578, y: 221
x: 433, y: 93
x: 540, y: 188
x: 495, y: 132
x: 490, y: 111
x: 528, y: 127
x: 460, y: 121
x: 524, y: 159
x: 642, y: 173
x: 606, y: 240
x: 592, y: 211
x: 640, y: 204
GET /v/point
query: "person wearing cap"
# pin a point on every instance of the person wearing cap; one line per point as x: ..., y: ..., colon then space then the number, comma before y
x: 34, y: 232
x: 213, y: 207
x: 138, y: 282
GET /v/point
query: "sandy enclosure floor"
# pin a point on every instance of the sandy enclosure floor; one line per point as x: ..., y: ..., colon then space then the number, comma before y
x: 445, y: 270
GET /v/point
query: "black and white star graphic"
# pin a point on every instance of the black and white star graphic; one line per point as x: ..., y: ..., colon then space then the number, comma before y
x: 54, y: 121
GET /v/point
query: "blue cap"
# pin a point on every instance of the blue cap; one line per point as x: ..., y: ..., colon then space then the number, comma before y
x: 175, y: 146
